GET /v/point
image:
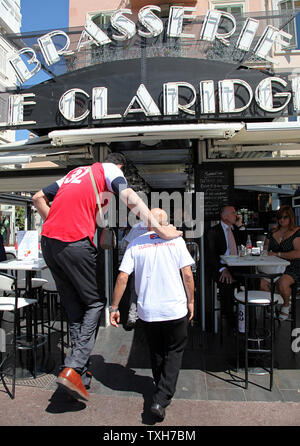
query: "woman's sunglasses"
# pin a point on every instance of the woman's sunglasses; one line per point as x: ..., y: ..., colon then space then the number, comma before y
x: 283, y: 217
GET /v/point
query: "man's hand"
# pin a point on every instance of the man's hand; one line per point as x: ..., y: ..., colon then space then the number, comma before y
x: 138, y: 207
x: 239, y: 221
x: 120, y: 287
x: 225, y: 276
x: 114, y: 318
x: 168, y: 232
x: 189, y: 286
x: 191, y: 310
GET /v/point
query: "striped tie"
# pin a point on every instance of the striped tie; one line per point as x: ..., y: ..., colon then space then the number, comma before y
x: 231, y: 243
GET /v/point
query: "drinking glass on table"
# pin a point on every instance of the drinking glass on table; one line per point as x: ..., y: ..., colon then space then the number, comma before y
x: 260, y: 245
x: 241, y: 250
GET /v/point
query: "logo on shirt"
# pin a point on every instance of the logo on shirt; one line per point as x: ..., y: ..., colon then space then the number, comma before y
x: 152, y: 236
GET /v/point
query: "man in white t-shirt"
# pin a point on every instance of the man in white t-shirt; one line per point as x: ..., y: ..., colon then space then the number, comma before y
x: 164, y: 301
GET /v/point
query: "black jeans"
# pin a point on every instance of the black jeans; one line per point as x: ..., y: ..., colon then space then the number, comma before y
x: 74, y: 269
x: 167, y: 340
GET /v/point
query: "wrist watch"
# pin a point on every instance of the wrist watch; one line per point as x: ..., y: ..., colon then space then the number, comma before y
x: 113, y: 310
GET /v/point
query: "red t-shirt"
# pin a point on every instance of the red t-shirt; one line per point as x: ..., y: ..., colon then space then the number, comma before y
x: 72, y: 215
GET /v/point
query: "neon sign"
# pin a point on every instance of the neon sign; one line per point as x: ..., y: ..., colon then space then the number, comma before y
x: 143, y: 102
x: 149, y: 26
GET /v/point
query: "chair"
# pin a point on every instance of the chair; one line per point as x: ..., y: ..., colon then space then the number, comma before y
x: 54, y: 310
x: 36, y: 286
x: 36, y: 283
x: 14, y: 304
x: 252, y: 299
x: 10, y: 256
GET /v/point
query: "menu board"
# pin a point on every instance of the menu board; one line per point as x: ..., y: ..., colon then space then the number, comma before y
x: 27, y: 245
x: 216, y: 182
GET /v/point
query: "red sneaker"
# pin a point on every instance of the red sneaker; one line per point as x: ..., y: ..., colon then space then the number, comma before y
x: 71, y: 381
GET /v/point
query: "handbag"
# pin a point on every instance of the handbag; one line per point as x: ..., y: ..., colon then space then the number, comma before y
x: 108, y: 239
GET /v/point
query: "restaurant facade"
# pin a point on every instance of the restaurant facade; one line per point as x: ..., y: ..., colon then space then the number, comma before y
x: 201, y: 97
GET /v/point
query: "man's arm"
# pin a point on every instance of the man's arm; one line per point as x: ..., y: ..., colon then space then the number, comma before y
x: 136, y: 204
x: 41, y: 203
x: 119, y: 290
x: 188, y: 281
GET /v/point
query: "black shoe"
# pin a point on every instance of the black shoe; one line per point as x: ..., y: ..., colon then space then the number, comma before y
x: 158, y: 410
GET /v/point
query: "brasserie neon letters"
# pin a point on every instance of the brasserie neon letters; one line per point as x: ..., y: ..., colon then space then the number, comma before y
x: 152, y: 27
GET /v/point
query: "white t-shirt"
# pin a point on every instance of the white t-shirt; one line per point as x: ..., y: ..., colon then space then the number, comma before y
x: 136, y: 230
x: 158, y: 284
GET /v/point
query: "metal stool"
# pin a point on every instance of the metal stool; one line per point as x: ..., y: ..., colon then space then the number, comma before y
x: 37, y: 284
x: 15, y: 304
x: 294, y: 295
x: 257, y: 299
x: 55, y: 311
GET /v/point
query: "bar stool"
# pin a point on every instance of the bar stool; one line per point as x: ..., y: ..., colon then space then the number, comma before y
x: 55, y: 311
x: 37, y: 284
x: 15, y: 303
x: 257, y: 299
x: 293, y: 319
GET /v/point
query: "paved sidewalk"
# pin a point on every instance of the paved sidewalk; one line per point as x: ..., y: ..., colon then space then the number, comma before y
x: 122, y: 389
x: 40, y: 407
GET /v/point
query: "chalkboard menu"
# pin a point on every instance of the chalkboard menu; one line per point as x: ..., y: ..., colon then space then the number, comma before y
x: 216, y: 181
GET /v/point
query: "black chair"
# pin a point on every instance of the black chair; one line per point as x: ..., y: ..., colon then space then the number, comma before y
x: 258, y: 341
x: 11, y: 301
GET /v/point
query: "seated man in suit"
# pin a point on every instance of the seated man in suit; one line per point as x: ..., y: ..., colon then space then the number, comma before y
x: 223, y: 239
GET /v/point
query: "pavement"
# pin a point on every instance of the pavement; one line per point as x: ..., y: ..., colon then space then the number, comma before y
x: 208, y: 393
x: 42, y: 407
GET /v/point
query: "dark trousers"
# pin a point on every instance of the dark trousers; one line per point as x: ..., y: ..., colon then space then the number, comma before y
x: 227, y: 291
x: 74, y: 269
x: 167, y: 340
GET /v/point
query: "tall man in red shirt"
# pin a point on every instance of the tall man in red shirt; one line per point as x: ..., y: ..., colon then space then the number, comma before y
x: 68, y: 249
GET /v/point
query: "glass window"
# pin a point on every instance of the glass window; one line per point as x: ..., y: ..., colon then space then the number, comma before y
x: 3, y: 109
x: 2, y: 61
x: 293, y: 27
x: 231, y: 9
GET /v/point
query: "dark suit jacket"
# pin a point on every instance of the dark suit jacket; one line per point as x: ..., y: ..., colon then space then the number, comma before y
x: 216, y: 246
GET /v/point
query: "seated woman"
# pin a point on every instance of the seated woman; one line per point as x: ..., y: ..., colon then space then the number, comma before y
x: 284, y: 242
